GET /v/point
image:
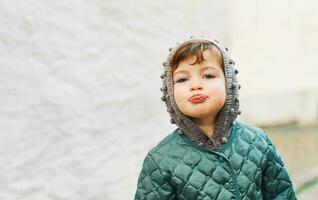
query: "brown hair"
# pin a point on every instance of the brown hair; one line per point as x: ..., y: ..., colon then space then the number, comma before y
x: 192, y: 47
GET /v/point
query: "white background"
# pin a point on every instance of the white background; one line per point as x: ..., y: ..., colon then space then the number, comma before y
x: 80, y: 84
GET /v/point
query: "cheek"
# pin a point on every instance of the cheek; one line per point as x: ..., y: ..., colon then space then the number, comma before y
x: 179, y: 95
x: 219, y: 93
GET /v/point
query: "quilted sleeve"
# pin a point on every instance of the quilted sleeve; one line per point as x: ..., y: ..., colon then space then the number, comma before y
x: 276, y: 183
x: 152, y: 182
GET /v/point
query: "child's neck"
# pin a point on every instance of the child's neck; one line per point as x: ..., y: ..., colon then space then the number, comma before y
x: 206, y: 124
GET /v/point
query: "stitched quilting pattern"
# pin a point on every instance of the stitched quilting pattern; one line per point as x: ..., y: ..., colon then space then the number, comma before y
x: 248, y: 167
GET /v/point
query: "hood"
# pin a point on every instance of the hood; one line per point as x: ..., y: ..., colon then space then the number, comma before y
x: 228, y: 113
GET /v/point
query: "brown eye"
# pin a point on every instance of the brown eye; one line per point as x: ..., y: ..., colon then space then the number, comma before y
x: 209, y: 76
x: 181, y: 80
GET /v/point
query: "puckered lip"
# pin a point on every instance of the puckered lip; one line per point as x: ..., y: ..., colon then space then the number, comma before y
x: 198, y: 97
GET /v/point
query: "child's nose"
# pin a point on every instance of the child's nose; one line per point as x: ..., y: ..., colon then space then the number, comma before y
x: 195, y: 84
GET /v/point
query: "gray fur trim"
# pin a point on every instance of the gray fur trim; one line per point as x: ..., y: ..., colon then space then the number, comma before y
x: 227, y: 114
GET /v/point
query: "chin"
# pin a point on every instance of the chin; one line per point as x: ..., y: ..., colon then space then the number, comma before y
x: 199, y: 114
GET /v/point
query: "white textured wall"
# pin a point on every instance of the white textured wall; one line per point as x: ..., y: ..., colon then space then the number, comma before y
x: 275, y: 46
x: 277, y: 39
x: 79, y: 84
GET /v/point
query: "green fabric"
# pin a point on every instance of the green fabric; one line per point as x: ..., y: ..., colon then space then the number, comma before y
x: 246, y: 167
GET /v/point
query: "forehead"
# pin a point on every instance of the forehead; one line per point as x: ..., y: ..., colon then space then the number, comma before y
x: 212, y: 59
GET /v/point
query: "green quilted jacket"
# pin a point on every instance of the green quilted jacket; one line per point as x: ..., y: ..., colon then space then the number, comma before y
x: 247, y: 166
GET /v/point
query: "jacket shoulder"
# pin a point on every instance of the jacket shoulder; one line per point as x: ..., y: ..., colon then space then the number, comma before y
x: 165, y: 145
x: 254, y: 136
x: 250, y: 130
x: 169, y: 151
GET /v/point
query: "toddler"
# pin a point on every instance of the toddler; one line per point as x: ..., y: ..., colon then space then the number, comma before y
x: 210, y: 155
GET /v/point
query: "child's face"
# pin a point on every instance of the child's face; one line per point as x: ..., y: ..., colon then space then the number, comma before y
x: 206, y: 78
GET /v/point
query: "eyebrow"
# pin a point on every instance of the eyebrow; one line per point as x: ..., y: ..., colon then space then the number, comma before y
x: 185, y: 71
